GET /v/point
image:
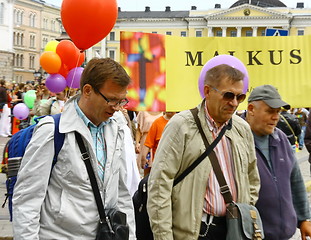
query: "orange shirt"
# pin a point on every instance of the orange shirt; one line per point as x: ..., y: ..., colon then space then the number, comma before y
x: 155, y: 133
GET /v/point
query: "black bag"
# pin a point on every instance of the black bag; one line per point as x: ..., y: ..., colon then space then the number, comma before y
x: 114, y: 228
x: 243, y: 222
x: 143, y: 229
x: 112, y: 224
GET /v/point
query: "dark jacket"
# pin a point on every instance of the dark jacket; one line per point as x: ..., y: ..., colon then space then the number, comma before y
x: 293, y: 122
x: 280, y: 212
x: 308, y: 136
x: 3, y: 97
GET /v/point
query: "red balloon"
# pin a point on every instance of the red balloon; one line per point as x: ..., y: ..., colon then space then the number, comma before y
x: 63, y: 70
x: 88, y: 21
x: 68, y: 53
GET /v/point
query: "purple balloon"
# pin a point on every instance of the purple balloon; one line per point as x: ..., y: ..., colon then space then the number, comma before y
x: 21, y: 111
x: 223, y: 59
x: 55, y: 83
x: 74, y: 76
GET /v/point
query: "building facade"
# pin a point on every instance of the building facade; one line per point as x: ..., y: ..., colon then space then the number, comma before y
x: 6, y: 43
x: 35, y: 24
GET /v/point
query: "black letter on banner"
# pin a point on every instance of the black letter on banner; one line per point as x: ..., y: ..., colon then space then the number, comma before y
x: 190, y: 57
x: 272, y: 57
x: 295, y: 56
x: 231, y: 53
x: 216, y: 54
x: 251, y: 58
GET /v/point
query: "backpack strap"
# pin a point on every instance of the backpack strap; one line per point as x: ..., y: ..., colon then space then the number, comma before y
x: 59, y: 138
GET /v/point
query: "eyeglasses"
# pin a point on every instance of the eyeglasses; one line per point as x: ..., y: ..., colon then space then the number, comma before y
x: 42, y: 84
x: 229, y: 96
x: 114, y: 103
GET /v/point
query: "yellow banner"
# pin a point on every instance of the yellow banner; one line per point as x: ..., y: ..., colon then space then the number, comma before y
x: 284, y: 62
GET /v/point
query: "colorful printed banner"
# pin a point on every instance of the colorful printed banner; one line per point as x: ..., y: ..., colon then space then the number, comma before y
x: 281, y: 61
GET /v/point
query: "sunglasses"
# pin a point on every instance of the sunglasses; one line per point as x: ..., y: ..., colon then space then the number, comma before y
x: 229, y: 96
x: 42, y: 84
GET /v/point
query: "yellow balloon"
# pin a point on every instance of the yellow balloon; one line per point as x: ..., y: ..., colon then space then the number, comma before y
x: 51, y: 46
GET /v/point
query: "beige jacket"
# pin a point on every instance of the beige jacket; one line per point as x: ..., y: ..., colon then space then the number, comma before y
x: 176, y: 213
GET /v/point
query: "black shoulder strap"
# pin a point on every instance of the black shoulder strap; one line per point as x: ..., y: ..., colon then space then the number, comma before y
x: 209, y: 148
x: 224, y: 188
x: 86, y: 159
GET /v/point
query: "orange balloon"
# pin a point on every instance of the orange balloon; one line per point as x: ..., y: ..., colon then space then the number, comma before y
x: 50, y: 62
x: 88, y: 21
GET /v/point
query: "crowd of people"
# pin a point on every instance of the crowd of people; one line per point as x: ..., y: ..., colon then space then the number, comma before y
x: 256, y: 155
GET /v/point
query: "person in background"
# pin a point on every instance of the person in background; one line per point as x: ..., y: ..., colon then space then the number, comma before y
x: 152, y: 140
x: 307, y: 139
x: 195, y: 208
x: 5, y: 109
x: 302, y: 118
x: 53, y: 105
x: 144, y: 122
x: 61, y: 204
x: 42, y: 95
x: 289, y: 124
x: 283, y: 204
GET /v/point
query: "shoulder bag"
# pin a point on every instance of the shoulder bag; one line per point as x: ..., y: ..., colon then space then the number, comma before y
x: 243, y: 220
x: 112, y: 224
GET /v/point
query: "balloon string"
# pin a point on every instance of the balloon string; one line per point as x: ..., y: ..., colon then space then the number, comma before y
x: 73, y: 77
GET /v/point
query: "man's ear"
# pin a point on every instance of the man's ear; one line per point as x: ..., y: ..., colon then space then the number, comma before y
x: 207, y: 90
x: 250, y: 109
x: 87, y: 90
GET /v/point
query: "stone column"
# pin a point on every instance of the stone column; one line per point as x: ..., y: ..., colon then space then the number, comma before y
x: 239, y: 30
x: 224, y: 31
x: 254, y: 31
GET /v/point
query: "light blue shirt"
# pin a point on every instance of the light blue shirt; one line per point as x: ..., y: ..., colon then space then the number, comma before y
x: 98, y: 136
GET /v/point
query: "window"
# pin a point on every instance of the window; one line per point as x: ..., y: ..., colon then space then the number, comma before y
x: 44, y: 41
x: 53, y: 25
x: 154, y: 32
x: 112, y: 36
x: 22, y: 39
x: 263, y: 33
x: 18, y: 16
x: 31, y: 61
x: 233, y: 33
x: 168, y: 33
x: 198, y: 33
x: 32, y: 19
x: 248, y: 33
x: 301, y: 32
x: 219, y: 33
x: 32, y: 41
x: 183, y: 34
x: 112, y: 54
x: 1, y: 13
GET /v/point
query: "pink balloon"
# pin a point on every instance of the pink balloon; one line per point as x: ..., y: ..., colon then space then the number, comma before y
x: 21, y: 111
x: 55, y: 83
x: 223, y: 59
x: 74, y: 76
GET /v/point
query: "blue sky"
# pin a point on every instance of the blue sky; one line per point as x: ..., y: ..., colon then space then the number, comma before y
x: 158, y: 5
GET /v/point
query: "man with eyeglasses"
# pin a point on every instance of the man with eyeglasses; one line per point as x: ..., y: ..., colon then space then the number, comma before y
x: 195, y: 208
x: 283, y: 204
x: 60, y: 204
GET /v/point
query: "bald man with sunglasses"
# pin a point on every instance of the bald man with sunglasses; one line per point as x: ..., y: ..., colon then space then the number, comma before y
x: 195, y: 208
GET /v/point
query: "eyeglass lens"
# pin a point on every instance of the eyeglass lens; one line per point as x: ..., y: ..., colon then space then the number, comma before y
x: 229, y: 96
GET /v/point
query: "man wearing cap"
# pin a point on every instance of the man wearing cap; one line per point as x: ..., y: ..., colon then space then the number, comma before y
x: 282, y: 202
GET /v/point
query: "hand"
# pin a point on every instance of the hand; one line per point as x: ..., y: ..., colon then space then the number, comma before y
x: 137, y: 148
x: 305, y: 229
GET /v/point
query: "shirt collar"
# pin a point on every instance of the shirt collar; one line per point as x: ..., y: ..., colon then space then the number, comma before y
x: 87, y: 121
